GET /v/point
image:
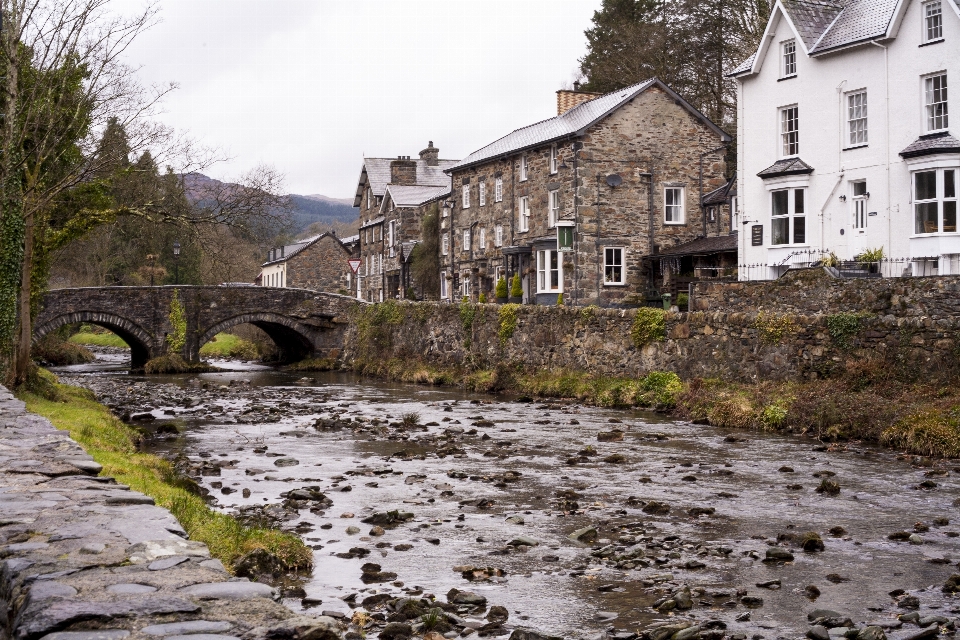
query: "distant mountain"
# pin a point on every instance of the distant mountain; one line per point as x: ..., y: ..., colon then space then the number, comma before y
x: 322, y: 198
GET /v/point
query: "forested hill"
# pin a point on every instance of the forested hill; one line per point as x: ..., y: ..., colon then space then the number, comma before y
x: 305, y: 210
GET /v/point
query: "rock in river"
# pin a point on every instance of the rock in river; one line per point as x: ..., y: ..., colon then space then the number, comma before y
x: 286, y: 462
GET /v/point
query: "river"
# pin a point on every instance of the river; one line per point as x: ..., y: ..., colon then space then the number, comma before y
x: 493, y: 482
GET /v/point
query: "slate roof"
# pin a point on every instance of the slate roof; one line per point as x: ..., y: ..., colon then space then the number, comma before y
x: 291, y: 250
x: 786, y: 167
x: 827, y: 25
x: 702, y: 246
x: 931, y: 144
x: 572, y: 123
x: 377, y: 172
x: 721, y: 195
x: 415, y: 195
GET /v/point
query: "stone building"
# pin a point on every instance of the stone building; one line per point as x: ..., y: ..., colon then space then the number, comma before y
x: 320, y: 263
x: 617, y: 177
x: 390, y: 223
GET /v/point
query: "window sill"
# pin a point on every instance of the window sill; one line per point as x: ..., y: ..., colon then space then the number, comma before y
x: 927, y: 44
x: 674, y: 224
x: 936, y: 234
x: 786, y: 78
x: 933, y: 131
x: 614, y: 284
x: 789, y: 246
x: 859, y: 146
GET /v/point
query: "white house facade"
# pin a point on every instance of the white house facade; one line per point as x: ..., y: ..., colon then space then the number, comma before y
x: 844, y: 137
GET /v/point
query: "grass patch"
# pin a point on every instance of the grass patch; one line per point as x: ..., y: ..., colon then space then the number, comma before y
x: 928, y: 433
x: 111, y: 443
x: 227, y: 345
x: 313, y: 364
x: 99, y: 339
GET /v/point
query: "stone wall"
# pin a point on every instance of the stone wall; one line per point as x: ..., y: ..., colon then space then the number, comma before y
x: 777, y: 342
x: 322, y: 267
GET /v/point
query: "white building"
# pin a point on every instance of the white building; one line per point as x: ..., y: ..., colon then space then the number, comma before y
x: 844, y: 136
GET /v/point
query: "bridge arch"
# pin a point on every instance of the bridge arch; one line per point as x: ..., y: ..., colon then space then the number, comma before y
x: 141, y: 343
x: 295, y: 340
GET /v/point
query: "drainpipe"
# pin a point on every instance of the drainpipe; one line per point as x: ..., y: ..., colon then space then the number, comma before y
x: 577, y: 145
x: 597, y: 241
x: 823, y: 209
x: 886, y: 88
x: 650, y: 213
x: 703, y: 212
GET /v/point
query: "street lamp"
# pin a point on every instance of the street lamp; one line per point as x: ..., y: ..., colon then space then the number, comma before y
x: 176, y: 262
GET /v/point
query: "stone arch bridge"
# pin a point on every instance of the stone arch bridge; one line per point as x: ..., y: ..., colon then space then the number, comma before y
x: 302, y: 323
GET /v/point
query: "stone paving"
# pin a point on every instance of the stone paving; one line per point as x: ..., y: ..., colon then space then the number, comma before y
x: 85, y: 558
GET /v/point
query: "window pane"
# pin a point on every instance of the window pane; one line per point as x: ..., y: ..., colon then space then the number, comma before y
x: 780, y: 229
x: 949, y: 184
x: 780, y: 203
x: 926, y: 184
x: 798, y: 201
x: 950, y: 216
x: 927, y: 217
x: 859, y: 188
x: 799, y: 229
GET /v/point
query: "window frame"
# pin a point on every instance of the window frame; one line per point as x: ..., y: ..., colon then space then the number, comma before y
x: 466, y: 196
x: 553, y: 207
x: 941, y: 199
x: 791, y: 216
x: 391, y: 231
x: 554, y: 168
x: 445, y: 244
x: 498, y: 189
x: 788, y: 59
x: 523, y: 167
x: 545, y: 268
x: 861, y: 133
x: 482, y: 193
x: 443, y: 285
x: 786, y: 143
x: 467, y: 237
x: 482, y: 239
x: 682, y: 207
x: 607, y: 266
x: 523, y: 210
x: 925, y: 24
x: 498, y: 235
x: 929, y: 117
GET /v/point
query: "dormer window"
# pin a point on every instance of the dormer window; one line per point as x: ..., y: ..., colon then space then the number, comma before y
x: 789, y: 57
x: 932, y: 21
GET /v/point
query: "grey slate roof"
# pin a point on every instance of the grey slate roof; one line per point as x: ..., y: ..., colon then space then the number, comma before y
x: 931, y: 144
x: 702, y: 246
x: 415, y: 195
x: 377, y: 171
x: 721, y: 195
x: 827, y: 25
x: 789, y: 166
x: 291, y: 250
x: 571, y: 123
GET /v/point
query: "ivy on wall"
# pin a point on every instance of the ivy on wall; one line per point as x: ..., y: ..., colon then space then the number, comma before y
x: 178, y: 320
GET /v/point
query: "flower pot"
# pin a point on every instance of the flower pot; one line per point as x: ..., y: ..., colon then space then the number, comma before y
x: 516, y: 299
x: 501, y: 300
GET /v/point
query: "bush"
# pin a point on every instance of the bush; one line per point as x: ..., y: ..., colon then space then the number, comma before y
x: 482, y: 298
x: 928, y: 433
x: 516, y: 288
x: 660, y: 388
x: 560, y: 300
x: 648, y: 326
x: 507, y: 322
x: 683, y: 300
x: 501, y: 290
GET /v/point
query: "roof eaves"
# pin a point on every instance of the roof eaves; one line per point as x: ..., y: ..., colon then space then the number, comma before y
x: 512, y: 152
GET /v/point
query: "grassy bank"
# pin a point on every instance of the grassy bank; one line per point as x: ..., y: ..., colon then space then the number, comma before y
x: 870, y: 404
x: 111, y: 443
x: 98, y: 339
x: 227, y: 345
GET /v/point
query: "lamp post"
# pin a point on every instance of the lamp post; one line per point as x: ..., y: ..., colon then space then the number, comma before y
x: 176, y: 262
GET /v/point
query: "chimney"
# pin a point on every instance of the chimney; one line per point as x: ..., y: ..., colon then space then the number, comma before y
x: 403, y: 170
x: 431, y: 155
x: 567, y: 99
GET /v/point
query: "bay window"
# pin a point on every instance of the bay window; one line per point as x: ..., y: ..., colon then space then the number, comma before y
x: 788, y: 221
x: 935, y: 200
x: 549, y: 272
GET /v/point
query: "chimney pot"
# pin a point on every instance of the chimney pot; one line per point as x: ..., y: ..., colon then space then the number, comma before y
x: 430, y: 155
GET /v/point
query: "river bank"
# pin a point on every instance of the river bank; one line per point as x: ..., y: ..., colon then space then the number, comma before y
x: 671, y: 521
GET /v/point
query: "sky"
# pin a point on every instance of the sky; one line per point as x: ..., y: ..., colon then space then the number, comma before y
x: 310, y: 87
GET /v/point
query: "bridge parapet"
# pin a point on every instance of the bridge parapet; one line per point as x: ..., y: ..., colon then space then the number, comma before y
x: 301, y: 322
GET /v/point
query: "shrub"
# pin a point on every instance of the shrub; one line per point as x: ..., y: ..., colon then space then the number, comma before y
x: 772, y: 328
x: 773, y: 416
x: 842, y: 327
x: 560, y: 300
x: 507, y: 322
x: 54, y: 350
x: 178, y: 321
x: 482, y: 299
x: 648, y: 326
x: 516, y: 289
x: 870, y: 255
x: 733, y: 411
x: 683, y: 300
x: 501, y: 288
x: 660, y: 388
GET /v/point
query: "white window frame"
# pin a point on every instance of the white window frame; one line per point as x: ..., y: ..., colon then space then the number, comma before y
x: 482, y: 239
x: 553, y: 212
x: 391, y: 238
x: 857, y: 119
x: 932, y: 116
x: 445, y: 244
x: 610, y: 268
x: 445, y: 211
x: 549, y: 262
x: 524, y: 212
x: 465, y: 285
x: 498, y: 189
x: 789, y: 138
x: 482, y: 193
x: 941, y: 199
x: 859, y: 204
x: 466, y: 196
x: 523, y: 167
x: 466, y: 239
x: 932, y: 25
x: 674, y: 209
x: 791, y: 215
x: 498, y: 235
x: 443, y: 285
x: 553, y: 159
x: 788, y: 59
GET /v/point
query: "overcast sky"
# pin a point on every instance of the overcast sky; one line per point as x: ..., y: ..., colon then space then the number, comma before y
x: 311, y: 86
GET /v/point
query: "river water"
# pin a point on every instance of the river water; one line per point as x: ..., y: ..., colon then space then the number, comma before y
x: 479, y: 472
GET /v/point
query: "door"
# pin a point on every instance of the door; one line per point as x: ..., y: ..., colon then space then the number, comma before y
x: 858, y: 238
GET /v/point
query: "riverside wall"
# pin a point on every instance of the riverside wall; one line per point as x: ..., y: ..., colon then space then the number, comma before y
x: 804, y: 326
x: 85, y: 558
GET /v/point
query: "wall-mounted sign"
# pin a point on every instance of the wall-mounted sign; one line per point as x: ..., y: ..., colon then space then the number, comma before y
x: 756, y: 235
x: 872, y: 213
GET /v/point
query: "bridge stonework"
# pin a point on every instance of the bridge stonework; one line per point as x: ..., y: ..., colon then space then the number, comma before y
x: 301, y: 322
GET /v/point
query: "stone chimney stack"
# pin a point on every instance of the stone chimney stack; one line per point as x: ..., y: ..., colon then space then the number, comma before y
x: 403, y: 170
x: 567, y: 99
x: 431, y: 155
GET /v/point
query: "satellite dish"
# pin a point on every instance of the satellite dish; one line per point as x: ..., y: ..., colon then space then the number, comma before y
x: 614, y: 180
